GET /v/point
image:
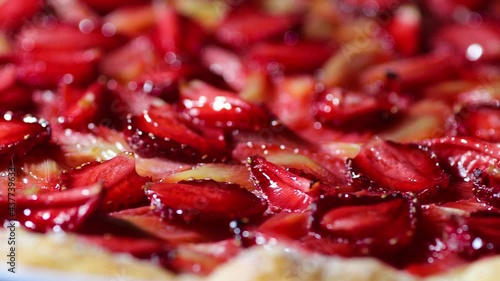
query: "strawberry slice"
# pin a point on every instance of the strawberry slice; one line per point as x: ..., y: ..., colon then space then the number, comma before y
x: 413, y: 72
x: 283, y: 190
x: 480, y: 43
x: 63, y: 37
x: 226, y: 64
x: 376, y: 225
x: 19, y: 135
x: 208, y: 106
x: 141, y: 248
x: 481, y: 121
x: 405, y: 27
x: 15, y: 13
x: 82, y: 108
x: 204, y: 200
x: 203, y: 258
x: 290, y: 225
x: 462, y: 156
x: 353, y: 110
x: 55, y: 211
x: 171, y: 232
x: 304, y: 56
x: 122, y: 185
x: 159, y: 132
x: 103, y: 6
x: 171, y: 28
x: 246, y: 25
x: 487, y: 186
x: 397, y: 167
x: 48, y: 68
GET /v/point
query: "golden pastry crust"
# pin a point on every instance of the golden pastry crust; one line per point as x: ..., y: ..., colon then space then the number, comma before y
x: 65, y: 253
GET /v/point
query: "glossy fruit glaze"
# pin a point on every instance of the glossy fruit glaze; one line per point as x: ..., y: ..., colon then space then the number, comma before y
x: 183, y: 132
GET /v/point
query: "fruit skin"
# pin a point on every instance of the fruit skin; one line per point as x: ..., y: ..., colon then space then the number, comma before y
x: 19, y: 135
x: 486, y: 186
x: 123, y: 187
x: 365, y: 224
x: 208, y: 106
x: 389, y: 166
x: 479, y: 120
x: 285, y: 191
x: 158, y: 132
x: 204, y: 200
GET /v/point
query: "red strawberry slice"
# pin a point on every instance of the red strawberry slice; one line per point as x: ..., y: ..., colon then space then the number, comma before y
x: 55, y: 199
x: 462, y: 156
x: 480, y: 43
x: 19, y: 135
x: 378, y: 225
x: 397, y: 167
x: 353, y: 110
x: 413, y: 72
x: 487, y: 186
x: 82, y: 108
x: 63, y: 37
x: 123, y: 187
x: 159, y: 133
x: 405, y: 27
x: 481, y: 121
x: 304, y: 56
x: 103, y: 6
x: 204, y: 200
x: 226, y: 64
x: 283, y: 190
x: 173, y: 233
x: 171, y: 30
x: 246, y: 25
x: 373, y: 6
x: 141, y: 248
x: 203, y: 258
x: 48, y: 68
x: 291, y: 225
x: 208, y: 106
x: 55, y: 211
x: 15, y: 13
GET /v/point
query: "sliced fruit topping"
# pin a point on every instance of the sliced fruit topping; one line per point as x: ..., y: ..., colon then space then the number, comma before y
x: 204, y: 200
x: 487, y: 186
x: 226, y: 64
x: 354, y: 110
x: 19, y: 135
x: 291, y: 225
x: 405, y: 27
x: 376, y: 225
x: 209, y: 106
x: 283, y: 190
x: 397, y: 167
x: 462, y: 156
x: 413, y: 72
x: 159, y: 132
x: 13, y: 13
x: 246, y: 25
x: 141, y: 248
x: 203, y: 258
x: 171, y: 232
x: 171, y: 29
x: 123, y: 187
x: 470, y: 42
x: 481, y: 121
x: 56, y: 211
x: 300, y: 57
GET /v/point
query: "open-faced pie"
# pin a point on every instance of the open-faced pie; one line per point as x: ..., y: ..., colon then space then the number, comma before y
x: 250, y: 140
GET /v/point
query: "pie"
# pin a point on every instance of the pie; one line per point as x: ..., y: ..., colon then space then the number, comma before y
x: 250, y: 140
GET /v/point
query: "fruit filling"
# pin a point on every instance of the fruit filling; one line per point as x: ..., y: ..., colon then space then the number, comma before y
x: 184, y: 132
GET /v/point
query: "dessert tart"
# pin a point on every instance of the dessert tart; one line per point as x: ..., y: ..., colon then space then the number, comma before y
x: 250, y: 140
